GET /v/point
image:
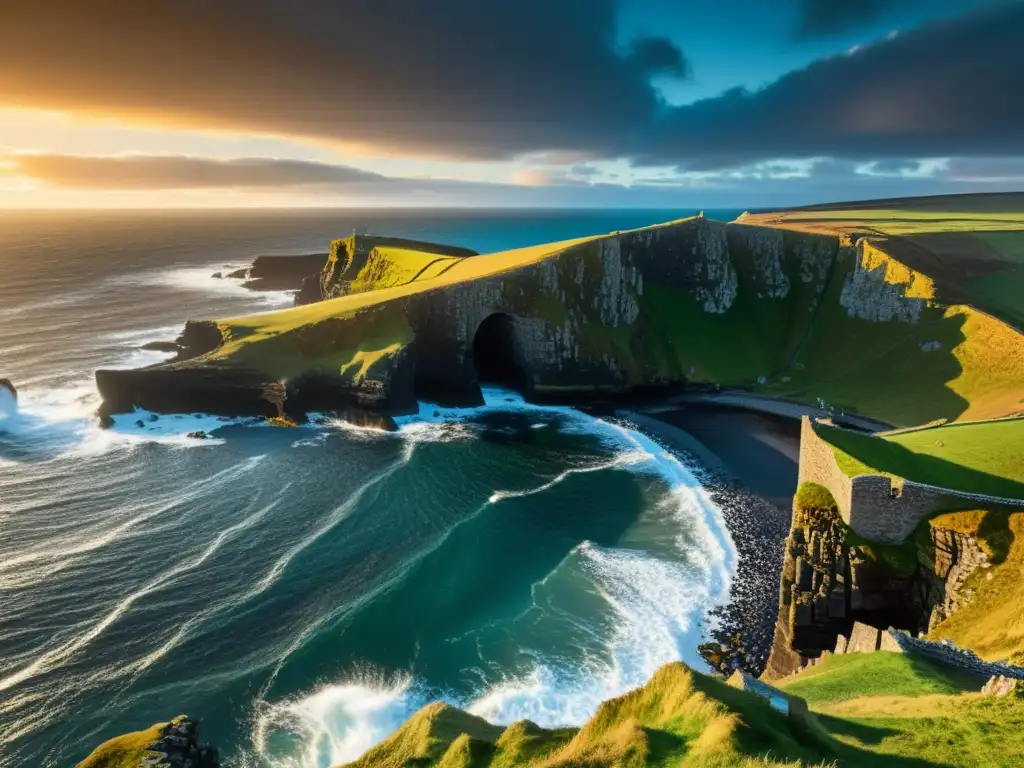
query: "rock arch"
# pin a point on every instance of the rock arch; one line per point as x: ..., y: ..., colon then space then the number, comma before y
x: 497, y: 354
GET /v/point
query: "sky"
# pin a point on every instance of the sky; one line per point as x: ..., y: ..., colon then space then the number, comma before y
x: 538, y: 103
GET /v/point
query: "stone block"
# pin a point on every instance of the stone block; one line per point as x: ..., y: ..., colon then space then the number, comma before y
x: 889, y: 642
x: 1002, y: 686
x: 863, y: 639
x: 840, y: 645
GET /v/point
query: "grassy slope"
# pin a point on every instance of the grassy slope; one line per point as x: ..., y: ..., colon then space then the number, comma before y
x: 884, y: 369
x: 125, y: 751
x: 980, y: 457
x: 285, y: 343
x: 870, y: 710
x: 680, y: 718
x: 903, y: 710
x: 388, y: 267
x: 991, y: 623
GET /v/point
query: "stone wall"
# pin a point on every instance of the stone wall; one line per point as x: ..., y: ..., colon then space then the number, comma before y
x: 864, y: 638
x: 877, y: 507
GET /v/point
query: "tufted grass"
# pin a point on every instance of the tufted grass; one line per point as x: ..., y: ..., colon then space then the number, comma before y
x: 125, y: 751
x: 680, y: 718
x: 857, y: 675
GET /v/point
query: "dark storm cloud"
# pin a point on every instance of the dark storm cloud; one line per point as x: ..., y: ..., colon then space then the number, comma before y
x: 949, y: 88
x: 176, y: 172
x: 452, y: 77
x: 659, y: 56
x: 830, y: 17
x: 464, y: 78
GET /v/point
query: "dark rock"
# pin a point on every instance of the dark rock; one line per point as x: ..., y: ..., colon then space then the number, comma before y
x: 198, y: 338
x: 239, y: 274
x: 309, y: 293
x: 169, y: 389
x: 162, y: 346
x: 197, y: 435
x: 6, y: 384
x: 218, y: 275
x: 140, y: 424
x: 283, y: 273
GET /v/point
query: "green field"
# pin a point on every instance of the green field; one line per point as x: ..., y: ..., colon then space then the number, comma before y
x: 907, y: 712
x: 981, y: 457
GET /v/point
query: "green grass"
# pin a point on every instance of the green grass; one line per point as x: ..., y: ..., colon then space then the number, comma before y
x: 905, y: 711
x: 680, y: 718
x: 387, y: 267
x: 855, y: 675
x: 981, y: 457
x: 125, y: 751
x: 811, y: 496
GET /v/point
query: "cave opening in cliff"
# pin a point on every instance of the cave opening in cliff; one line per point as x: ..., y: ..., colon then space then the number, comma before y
x: 498, y: 355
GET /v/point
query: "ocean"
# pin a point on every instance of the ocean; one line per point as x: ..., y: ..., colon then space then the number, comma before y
x: 303, y: 591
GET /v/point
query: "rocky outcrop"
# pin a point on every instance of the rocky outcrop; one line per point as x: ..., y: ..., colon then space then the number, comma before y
x: 999, y: 686
x: 829, y: 587
x: 8, y: 399
x: 190, y: 389
x: 948, y: 561
x: 179, y: 746
x: 309, y: 292
x: 283, y: 273
x: 881, y: 289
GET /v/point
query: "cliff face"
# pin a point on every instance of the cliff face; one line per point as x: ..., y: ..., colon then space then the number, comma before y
x: 832, y: 579
x: 693, y: 302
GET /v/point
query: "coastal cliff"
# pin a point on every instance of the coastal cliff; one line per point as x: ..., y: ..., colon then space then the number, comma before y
x: 692, y: 303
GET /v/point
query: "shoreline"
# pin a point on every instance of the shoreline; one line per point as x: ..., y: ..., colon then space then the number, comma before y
x: 751, y: 461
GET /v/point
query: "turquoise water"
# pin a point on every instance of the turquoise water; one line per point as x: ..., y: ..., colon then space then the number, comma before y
x: 303, y: 591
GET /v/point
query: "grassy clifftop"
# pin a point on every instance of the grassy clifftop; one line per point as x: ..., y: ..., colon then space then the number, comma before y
x: 978, y: 457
